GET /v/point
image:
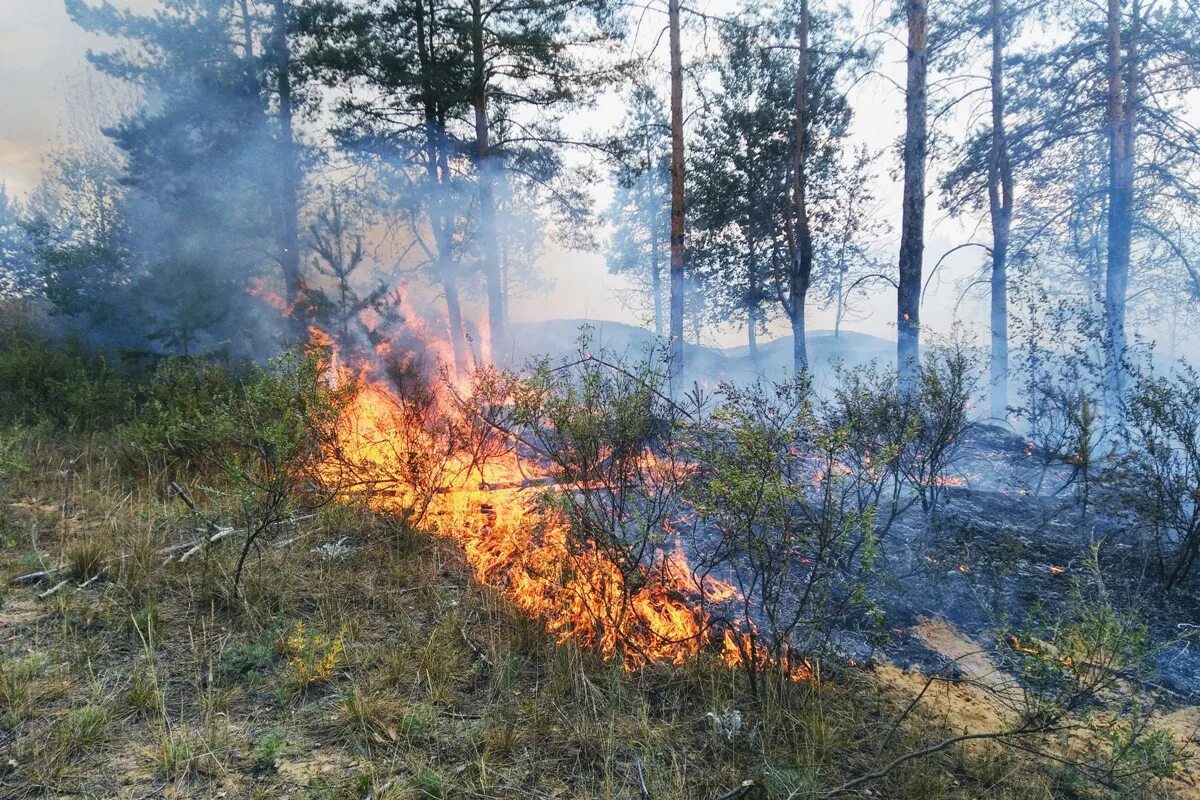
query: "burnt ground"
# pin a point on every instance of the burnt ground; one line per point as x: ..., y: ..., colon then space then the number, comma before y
x: 1008, y: 545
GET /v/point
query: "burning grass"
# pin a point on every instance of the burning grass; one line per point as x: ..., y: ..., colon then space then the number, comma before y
x: 531, y: 648
x: 494, y: 505
x: 442, y: 686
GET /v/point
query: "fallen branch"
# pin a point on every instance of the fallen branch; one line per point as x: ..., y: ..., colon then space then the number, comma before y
x: 178, y: 491
x: 88, y: 582
x: 641, y: 773
x: 476, y: 648
x: 945, y: 744
x: 216, y: 537
x: 53, y: 589
x: 196, y: 545
x: 35, y: 577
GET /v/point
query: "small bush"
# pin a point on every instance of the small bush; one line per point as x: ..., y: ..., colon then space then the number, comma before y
x: 245, y: 660
x: 267, y: 749
x: 312, y: 657
x: 1161, y: 473
x: 44, y: 381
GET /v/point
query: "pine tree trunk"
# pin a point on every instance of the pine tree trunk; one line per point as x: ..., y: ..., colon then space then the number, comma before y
x: 455, y: 320
x: 799, y: 350
x: 1000, y: 200
x: 437, y: 171
x: 912, y: 226
x: 1120, y: 202
x: 677, y: 209
x: 752, y: 334
x: 656, y: 288
x: 487, y: 192
x: 800, y: 274
x: 752, y: 301
x: 289, y: 188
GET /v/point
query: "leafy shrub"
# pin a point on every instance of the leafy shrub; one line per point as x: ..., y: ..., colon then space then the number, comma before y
x: 608, y: 428
x: 312, y: 657
x: 1161, y: 472
x: 265, y: 430
x: 171, y: 425
x: 61, y: 384
x: 794, y: 532
x: 899, y: 439
x: 242, y: 660
x: 267, y: 749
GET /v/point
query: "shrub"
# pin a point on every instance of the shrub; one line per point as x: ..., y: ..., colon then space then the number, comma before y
x: 608, y: 428
x: 312, y: 657
x: 170, y: 427
x: 241, y: 661
x: 267, y: 749
x: 266, y: 431
x: 897, y: 439
x: 1161, y: 472
x: 59, y: 383
x: 793, y: 531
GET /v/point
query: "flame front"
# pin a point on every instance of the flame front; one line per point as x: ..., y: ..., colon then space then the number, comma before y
x: 521, y: 547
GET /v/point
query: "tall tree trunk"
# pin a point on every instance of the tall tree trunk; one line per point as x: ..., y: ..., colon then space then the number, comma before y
x: 437, y: 171
x: 800, y: 272
x: 752, y: 334
x: 677, y: 210
x: 487, y: 190
x: 289, y: 184
x: 653, y: 201
x: 912, y: 225
x: 656, y: 287
x: 754, y: 294
x: 1120, y: 201
x: 1000, y: 202
x: 248, y: 42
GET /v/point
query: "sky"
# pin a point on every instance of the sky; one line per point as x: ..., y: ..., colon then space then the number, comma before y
x: 44, y: 72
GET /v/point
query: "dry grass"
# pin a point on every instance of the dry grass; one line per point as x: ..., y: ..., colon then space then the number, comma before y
x: 152, y: 680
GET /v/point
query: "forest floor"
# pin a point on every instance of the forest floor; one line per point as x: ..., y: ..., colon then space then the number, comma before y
x: 360, y: 660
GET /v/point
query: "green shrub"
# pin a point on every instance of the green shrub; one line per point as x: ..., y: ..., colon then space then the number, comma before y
x: 239, y: 661
x: 172, y: 422
x: 61, y: 384
x: 267, y: 749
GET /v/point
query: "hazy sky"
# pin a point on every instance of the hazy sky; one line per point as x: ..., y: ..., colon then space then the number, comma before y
x: 42, y: 64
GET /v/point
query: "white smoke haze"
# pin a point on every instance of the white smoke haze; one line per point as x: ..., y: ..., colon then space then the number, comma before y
x: 45, y: 65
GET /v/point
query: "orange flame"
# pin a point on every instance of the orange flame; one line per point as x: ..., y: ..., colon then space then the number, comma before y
x: 523, y: 548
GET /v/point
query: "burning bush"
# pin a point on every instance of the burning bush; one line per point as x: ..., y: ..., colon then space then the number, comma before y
x: 896, y: 439
x: 604, y: 441
x: 781, y: 517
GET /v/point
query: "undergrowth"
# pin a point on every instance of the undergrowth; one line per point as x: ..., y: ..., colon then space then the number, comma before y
x: 381, y: 671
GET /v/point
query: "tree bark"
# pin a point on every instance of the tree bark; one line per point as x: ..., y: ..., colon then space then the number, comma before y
x: 652, y: 187
x: 752, y: 334
x: 248, y: 43
x: 289, y: 188
x: 487, y: 191
x: 437, y: 170
x: 1122, y: 85
x: 912, y: 226
x: 800, y: 273
x: 1000, y: 202
x: 754, y: 279
x: 677, y: 208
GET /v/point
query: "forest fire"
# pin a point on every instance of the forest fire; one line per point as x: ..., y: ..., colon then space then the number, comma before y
x: 520, y: 546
